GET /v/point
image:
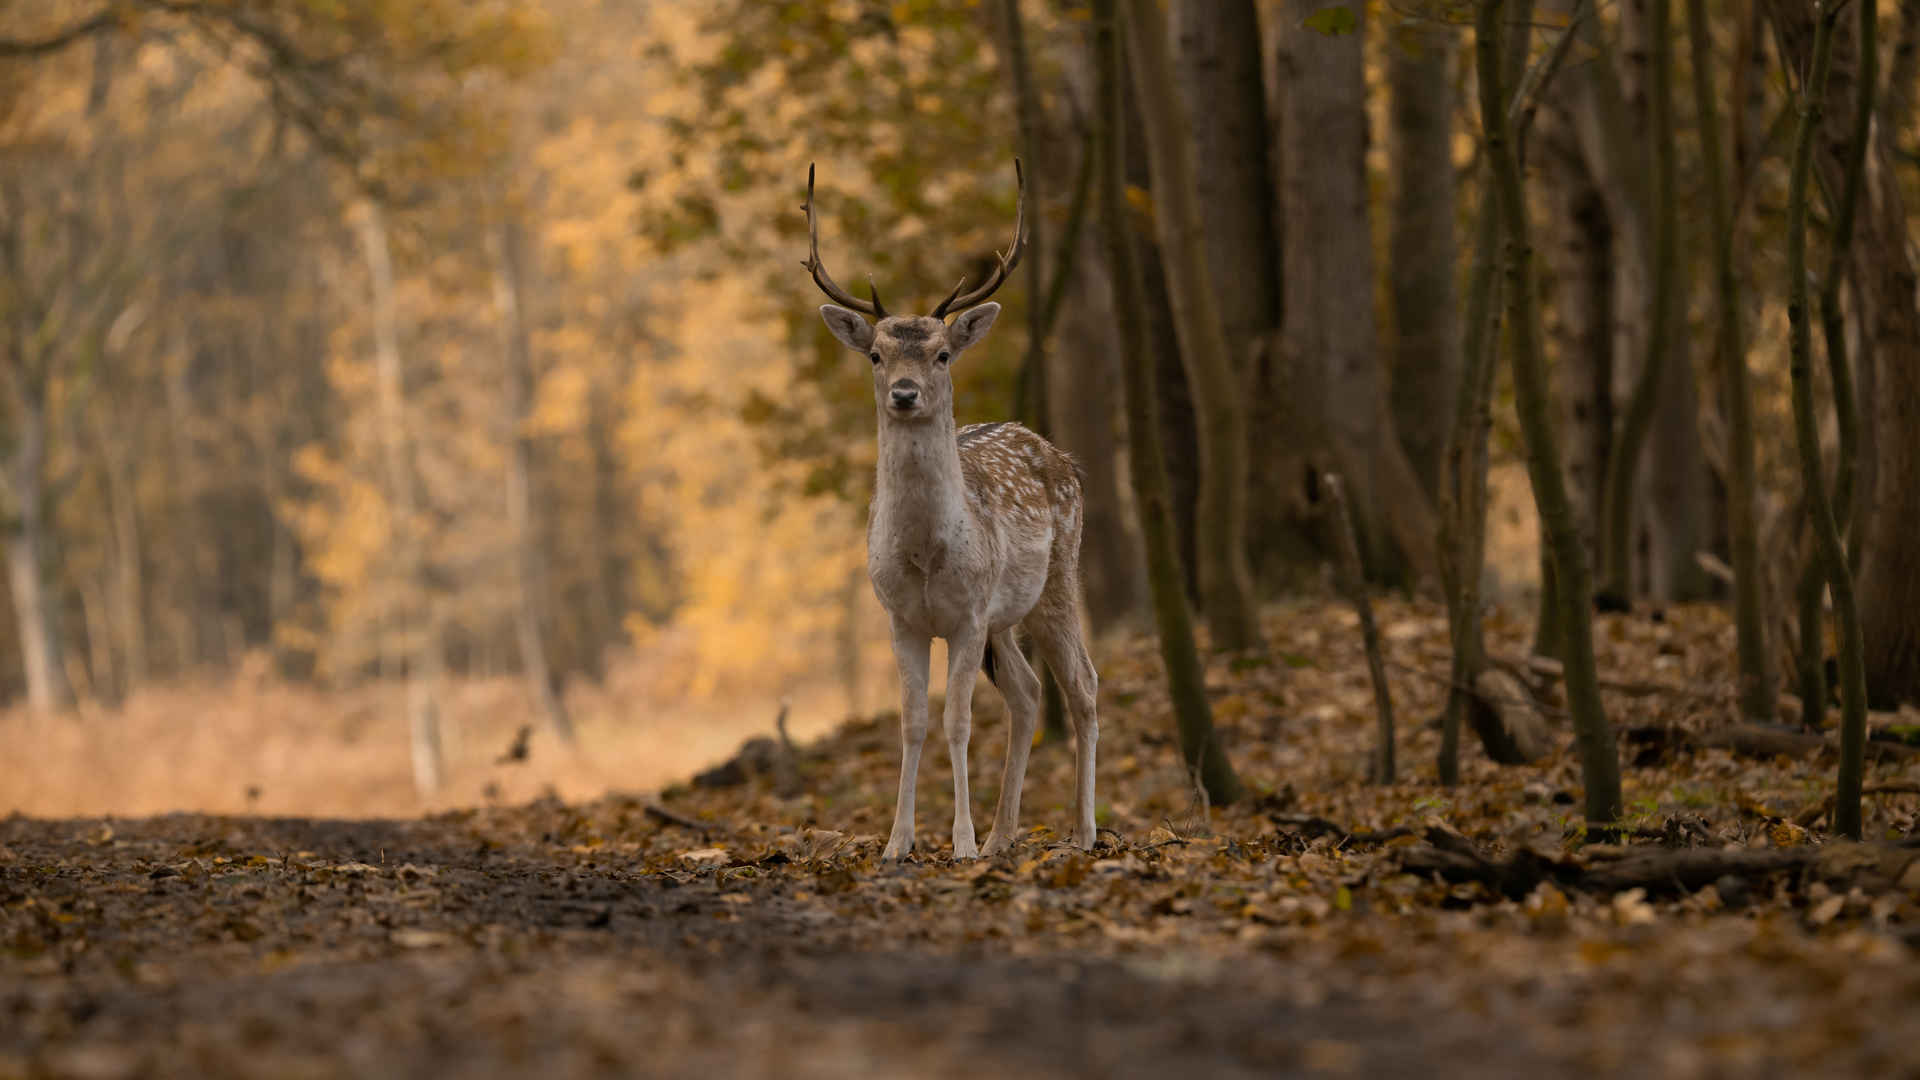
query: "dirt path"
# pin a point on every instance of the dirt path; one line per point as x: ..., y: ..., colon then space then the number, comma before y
x: 760, y: 936
x: 229, y: 947
x: 410, y: 948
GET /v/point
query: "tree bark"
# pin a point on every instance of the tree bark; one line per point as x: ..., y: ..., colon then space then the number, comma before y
x: 1200, y: 743
x: 1599, y: 758
x: 1580, y: 251
x: 1330, y: 343
x: 1421, y: 249
x: 1637, y: 423
x: 1758, y: 694
x: 1218, y: 61
x: 1226, y: 583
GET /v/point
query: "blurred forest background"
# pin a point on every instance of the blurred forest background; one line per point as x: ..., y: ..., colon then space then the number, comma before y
x: 385, y: 376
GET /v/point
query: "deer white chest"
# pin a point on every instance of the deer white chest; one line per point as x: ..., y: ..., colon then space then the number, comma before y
x: 941, y: 580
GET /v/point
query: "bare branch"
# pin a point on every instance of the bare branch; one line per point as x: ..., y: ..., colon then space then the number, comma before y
x: 22, y: 48
x: 1527, y: 98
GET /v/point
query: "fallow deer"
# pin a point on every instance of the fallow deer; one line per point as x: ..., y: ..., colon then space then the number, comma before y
x: 971, y: 533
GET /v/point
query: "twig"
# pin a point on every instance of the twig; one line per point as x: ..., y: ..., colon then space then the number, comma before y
x: 660, y: 813
x: 1534, y: 83
x: 1353, y: 583
x: 1443, y: 680
x: 1313, y: 825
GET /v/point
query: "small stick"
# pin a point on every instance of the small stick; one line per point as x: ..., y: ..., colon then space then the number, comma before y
x: 655, y: 810
x: 1353, y: 583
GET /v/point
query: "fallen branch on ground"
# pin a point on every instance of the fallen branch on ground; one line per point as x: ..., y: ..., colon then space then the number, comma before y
x: 1811, y: 816
x: 660, y: 813
x: 1313, y: 826
x: 1660, y: 871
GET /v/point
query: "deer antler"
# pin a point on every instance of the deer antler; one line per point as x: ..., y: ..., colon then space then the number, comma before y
x: 1003, y: 266
x: 819, y: 269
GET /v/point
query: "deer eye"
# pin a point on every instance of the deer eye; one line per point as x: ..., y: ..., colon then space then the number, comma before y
x: 875, y: 357
x: 943, y: 357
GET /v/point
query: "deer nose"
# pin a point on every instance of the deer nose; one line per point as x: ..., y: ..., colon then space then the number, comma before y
x: 905, y: 395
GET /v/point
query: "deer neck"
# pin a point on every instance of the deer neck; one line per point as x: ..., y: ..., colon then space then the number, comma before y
x: 920, y: 489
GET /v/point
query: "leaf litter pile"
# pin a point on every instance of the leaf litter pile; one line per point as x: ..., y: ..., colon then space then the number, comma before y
x: 743, y: 925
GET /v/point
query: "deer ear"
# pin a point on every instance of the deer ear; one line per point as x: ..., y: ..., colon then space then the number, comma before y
x: 971, y: 325
x: 853, y: 331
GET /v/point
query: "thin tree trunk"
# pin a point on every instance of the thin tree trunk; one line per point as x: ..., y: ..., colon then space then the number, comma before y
x: 1889, y: 570
x: 1226, y: 583
x: 31, y: 548
x: 36, y: 616
x: 417, y: 654
x: 1833, y: 319
x: 1199, y: 742
x: 1853, y: 682
x: 1421, y: 250
x: 1463, y: 500
x: 1463, y: 476
x: 1354, y: 584
x: 1637, y: 423
x: 530, y: 565
x: 127, y: 602
x: 1757, y: 684
x: 1599, y: 758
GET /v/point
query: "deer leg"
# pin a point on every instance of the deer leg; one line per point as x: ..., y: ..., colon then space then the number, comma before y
x: 964, y: 653
x: 1065, y: 651
x: 910, y: 652
x: 1020, y: 688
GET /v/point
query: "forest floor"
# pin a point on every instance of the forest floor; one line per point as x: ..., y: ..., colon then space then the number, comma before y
x: 1323, y: 925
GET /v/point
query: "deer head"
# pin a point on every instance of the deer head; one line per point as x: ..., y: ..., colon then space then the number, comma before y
x: 912, y: 355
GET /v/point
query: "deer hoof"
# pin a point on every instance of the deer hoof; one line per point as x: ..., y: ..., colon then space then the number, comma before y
x: 897, y: 849
x: 996, y: 846
x: 965, y: 848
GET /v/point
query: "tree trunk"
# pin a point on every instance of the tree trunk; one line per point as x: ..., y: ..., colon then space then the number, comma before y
x: 1463, y: 477
x: 1653, y: 381
x: 1090, y: 424
x: 417, y: 654
x: 1889, y: 571
x: 1218, y: 62
x: 1580, y: 252
x: 36, y: 614
x: 1200, y: 743
x: 1599, y: 758
x: 31, y: 550
x: 530, y: 563
x: 1421, y: 256
x: 1226, y: 583
x: 1853, y: 724
x: 1757, y: 681
x: 1330, y: 342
